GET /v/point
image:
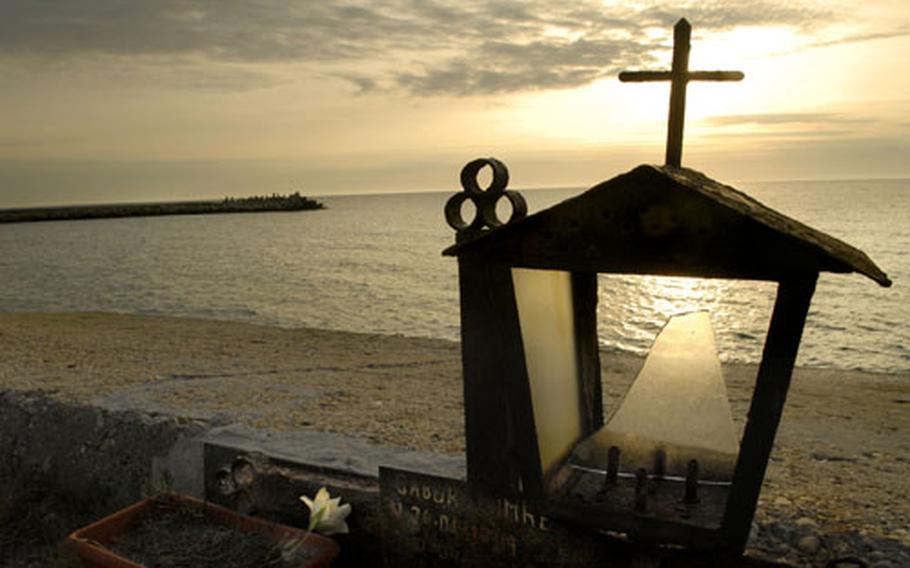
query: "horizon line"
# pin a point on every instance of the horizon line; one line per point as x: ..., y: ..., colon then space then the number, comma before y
x: 46, y: 205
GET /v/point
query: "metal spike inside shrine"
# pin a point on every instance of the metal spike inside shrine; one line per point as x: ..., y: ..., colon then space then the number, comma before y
x: 679, y: 76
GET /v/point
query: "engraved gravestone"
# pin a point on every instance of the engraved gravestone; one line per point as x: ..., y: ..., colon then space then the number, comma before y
x: 438, y: 521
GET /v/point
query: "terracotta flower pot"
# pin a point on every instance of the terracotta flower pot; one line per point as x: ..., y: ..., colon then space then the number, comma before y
x: 93, y: 544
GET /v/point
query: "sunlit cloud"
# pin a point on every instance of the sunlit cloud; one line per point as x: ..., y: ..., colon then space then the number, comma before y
x: 850, y: 36
x: 440, y: 48
x: 787, y: 118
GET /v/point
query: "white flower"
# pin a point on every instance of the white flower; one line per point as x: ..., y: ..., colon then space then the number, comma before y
x: 327, y: 515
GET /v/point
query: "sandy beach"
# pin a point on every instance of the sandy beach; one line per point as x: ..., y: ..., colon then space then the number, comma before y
x: 841, y: 462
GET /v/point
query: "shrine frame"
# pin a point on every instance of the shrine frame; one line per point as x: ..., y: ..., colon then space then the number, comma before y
x: 486, y: 346
x: 744, y: 240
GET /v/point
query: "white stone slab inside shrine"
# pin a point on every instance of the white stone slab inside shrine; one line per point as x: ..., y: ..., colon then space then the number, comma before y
x: 678, y: 403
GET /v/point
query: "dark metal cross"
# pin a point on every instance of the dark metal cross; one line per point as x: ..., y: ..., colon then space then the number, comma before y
x: 679, y: 76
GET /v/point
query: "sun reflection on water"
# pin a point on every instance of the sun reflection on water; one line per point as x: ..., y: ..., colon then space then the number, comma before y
x: 633, y: 309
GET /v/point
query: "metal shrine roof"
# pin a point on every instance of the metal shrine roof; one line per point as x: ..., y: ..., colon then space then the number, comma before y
x: 671, y: 221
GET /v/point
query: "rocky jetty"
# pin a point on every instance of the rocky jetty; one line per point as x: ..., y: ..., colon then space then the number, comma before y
x: 274, y: 202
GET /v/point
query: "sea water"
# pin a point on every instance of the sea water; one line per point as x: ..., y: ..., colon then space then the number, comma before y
x: 373, y: 263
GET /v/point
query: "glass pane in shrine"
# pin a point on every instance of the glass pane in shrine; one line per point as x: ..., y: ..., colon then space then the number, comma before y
x: 545, y: 313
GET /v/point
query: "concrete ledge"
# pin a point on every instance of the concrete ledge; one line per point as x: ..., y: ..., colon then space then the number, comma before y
x: 114, y: 455
x: 333, y: 451
x: 121, y: 456
x: 265, y: 473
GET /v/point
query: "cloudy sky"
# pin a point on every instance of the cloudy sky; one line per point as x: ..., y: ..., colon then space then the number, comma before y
x: 110, y: 100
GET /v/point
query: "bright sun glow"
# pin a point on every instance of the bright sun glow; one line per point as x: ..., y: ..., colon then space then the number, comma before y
x: 637, y: 112
x: 670, y: 296
x: 750, y: 50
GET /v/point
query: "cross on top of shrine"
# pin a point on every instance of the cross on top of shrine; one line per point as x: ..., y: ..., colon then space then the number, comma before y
x: 679, y: 76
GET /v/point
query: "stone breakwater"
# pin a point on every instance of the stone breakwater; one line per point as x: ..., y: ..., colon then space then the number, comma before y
x: 293, y: 202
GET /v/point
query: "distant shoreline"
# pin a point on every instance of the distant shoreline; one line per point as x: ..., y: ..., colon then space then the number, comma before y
x: 256, y: 204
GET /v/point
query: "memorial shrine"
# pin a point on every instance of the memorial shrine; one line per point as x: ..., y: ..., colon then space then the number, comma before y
x: 668, y: 465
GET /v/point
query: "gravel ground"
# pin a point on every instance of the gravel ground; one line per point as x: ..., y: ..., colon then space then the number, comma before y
x: 837, y: 484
